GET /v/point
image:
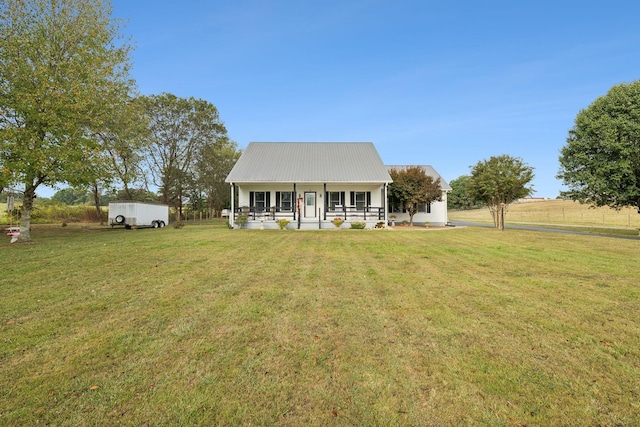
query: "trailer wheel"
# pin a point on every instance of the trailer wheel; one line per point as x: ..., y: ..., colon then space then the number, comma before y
x: 155, y: 224
x: 120, y: 219
x: 162, y: 224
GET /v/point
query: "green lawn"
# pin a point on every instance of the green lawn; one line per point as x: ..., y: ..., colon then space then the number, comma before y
x: 210, y: 326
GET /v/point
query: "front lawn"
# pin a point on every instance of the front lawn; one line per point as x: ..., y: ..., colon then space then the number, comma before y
x: 209, y: 326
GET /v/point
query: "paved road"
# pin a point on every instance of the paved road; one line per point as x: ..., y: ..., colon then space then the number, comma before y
x: 547, y: 230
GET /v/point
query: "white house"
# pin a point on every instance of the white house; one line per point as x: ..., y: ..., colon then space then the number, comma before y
x: 309, y: 184
x: 434, y: 213
x: 312, y: 183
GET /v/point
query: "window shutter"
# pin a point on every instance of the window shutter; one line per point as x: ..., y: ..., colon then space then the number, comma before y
x: 368, y: 198
x: 251, y: 198
x: 277, y: 198
x: 342, y: 198
x: 353, y: 199
x: 267, y: 200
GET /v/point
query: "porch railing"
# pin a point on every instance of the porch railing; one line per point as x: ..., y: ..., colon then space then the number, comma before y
x: 350, y: 212
x: 345, y: 212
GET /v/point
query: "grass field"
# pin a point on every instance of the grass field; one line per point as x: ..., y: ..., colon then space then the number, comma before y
x: 560, y: 212
x: 210, y: 326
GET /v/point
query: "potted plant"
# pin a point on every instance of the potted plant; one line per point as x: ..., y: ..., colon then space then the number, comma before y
x: 337, y: 222
x: 393, y: 220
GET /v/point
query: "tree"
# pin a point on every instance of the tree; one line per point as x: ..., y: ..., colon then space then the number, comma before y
x: 459, y: 197
x: 179, y: 130
x: 499, y: 181
x: 412, y: 187
x: 71, y: 196
x: 64, y: 69
x: 214, y: 163
x: 600, y: 162
x: 123, y: 140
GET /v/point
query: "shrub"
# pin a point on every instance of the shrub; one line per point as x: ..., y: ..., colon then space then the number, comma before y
x: 241, y: 220
x: 380, y: 224
x: 62, y: 213
x: 282, y: 223
x: 358, y: 225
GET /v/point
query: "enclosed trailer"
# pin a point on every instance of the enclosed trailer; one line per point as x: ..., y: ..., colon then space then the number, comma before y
x: 138, y: 215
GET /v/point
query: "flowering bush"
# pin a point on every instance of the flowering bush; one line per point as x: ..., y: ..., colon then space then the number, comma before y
x: 337, y: 222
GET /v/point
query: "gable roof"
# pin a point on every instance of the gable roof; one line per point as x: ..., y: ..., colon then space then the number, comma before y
x: 309, y: 162
x: 429, y: 170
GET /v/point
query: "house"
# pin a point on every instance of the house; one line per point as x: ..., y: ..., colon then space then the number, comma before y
x: 434, y: 213
x: 309, y: 184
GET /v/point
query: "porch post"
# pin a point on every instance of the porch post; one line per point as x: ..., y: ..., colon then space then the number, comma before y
x: 386, y: 202
x: 326, y: 202
x: 232, y: 214
x: 294, y: 201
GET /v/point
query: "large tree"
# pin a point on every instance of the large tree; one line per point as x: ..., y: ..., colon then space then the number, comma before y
x: 123, y: 142
x: 180, y: 129
x: 214, y: 163
x: 499, y: 181
x: 600, y: 162
x: 459, y: 197
x: 64, y: 69
x: 412, y: 187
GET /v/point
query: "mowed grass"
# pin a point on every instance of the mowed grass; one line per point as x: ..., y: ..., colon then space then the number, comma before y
x: 210, y: 326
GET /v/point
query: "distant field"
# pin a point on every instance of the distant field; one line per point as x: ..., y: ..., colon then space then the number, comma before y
x: 557, y: 212
x: 209, y: 326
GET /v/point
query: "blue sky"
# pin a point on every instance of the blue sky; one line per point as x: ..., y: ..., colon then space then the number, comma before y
x: 428, y: 82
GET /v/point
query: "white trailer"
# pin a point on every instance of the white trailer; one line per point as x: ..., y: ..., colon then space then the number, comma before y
x: 138, y: 215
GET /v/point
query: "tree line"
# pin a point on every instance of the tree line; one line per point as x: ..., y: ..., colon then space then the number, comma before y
x: 70, y: 114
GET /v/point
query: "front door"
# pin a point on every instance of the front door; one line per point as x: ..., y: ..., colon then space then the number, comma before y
x: 310, y: 204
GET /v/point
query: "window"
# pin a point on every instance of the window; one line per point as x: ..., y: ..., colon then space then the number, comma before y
x: 396, y: 208
x: 259, y: 200
x: 336, y: 198
x: 284, y: 200
x: 360, y: 199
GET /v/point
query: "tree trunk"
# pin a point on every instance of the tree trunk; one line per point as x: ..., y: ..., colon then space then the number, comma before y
x: 25, y: 217
x: 96, y: 201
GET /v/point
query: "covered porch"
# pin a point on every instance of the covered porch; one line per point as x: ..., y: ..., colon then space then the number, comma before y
x: 308, y: 206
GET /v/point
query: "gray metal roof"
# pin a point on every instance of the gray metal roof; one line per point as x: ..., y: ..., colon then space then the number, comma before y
x: 429, y: 170
x: 309, y: 162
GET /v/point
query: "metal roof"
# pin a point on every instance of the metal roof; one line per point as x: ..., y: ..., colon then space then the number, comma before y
x: 309, y: 162
x: 429, y: 170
